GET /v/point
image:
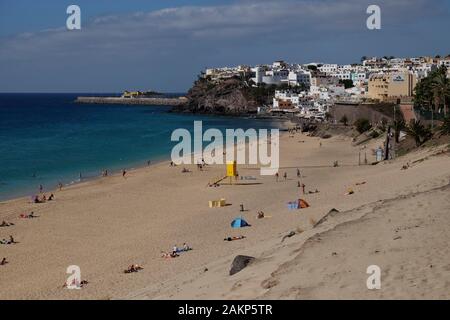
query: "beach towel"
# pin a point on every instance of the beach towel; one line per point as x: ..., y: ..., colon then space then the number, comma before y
x: 292, y: 205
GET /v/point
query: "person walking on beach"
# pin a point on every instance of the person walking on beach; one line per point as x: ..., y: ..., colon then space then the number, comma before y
x: 148, y: 163
x: 41, y: 188
x: 298, y: 173
x: 124, y: 172
x: 60, y: 185
x: 303, y: 188
x: 285, y: 176
x: 276, y: 176
x: 81, y: 177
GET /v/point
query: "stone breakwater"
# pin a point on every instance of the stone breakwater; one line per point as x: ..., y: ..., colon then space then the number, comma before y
x: 134, y: 101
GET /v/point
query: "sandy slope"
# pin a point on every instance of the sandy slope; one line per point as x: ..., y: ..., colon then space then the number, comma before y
x: 406, y: 235
x: 105, y: 225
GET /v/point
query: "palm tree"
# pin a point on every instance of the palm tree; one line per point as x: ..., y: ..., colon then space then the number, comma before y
x: 398, y: 125
x: 444, y: 129
x: 418, y: 131
x: 441, y: 90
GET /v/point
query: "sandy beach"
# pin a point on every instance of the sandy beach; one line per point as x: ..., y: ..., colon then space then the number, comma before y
x: 396, y: 219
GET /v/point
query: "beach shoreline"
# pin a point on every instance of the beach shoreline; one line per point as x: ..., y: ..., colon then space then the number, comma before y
x: 88, y: 176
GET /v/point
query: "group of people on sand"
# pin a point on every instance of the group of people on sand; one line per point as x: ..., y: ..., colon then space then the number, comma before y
x: 76, y: 283
x: 43, y: 199
x: 215, y: 184
x: 277, y: 175
x: 176, y: 251
x: 10, y: 241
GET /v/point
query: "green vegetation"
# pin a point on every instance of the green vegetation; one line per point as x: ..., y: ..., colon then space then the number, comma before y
x: 362, y: 125
x: 444, y: 129
x: 419, y: 132
x: 433, y: 92
x: 398, y: 126
x: 344, y: 120
x: 347, y: 83
x: 374, y: 134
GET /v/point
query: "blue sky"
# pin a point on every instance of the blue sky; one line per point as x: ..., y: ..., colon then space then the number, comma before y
x: 164, y: 44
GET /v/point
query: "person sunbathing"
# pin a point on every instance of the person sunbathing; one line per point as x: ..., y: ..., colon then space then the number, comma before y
x: 349, y: 192
x: 6, y: 224
x: 234, y: 238
x: 6, y: 241
x: 169, y: 255
x: 28, y: 216
x: 260, y: 215
x: 185, y: 170
x: 133, y: 268
x: 3, y: 262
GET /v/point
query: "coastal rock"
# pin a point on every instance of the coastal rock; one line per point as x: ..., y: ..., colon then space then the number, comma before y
x: 231, y: 96
x: 239, y: 263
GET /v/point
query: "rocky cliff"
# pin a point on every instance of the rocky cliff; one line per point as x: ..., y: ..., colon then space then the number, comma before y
x: 232, y: 96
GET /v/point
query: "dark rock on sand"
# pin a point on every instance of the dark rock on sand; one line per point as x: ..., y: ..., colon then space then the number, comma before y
x: 239, y: 263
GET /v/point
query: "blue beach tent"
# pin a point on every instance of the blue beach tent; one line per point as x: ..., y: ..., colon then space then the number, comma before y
x: 239, y: 223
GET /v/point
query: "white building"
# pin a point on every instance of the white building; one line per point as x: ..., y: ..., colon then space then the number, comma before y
x: 328, y: 68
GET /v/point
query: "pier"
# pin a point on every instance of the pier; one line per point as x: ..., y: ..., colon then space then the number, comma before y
x: 132, y: 101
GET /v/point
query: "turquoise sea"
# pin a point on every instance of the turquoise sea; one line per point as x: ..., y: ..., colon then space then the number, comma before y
x: 46, y: 139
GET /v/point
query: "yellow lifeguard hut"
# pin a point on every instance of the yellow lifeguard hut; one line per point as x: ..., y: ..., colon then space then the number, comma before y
x: 231, y: 169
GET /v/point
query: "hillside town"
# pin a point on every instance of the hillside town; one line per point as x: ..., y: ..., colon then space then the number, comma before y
x: 308, y: 90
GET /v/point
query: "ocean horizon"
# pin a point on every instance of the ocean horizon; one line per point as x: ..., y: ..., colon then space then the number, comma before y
x: 46, y: 138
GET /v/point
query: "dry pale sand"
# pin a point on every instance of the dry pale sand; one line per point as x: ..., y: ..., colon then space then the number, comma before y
x: 105, y: 225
